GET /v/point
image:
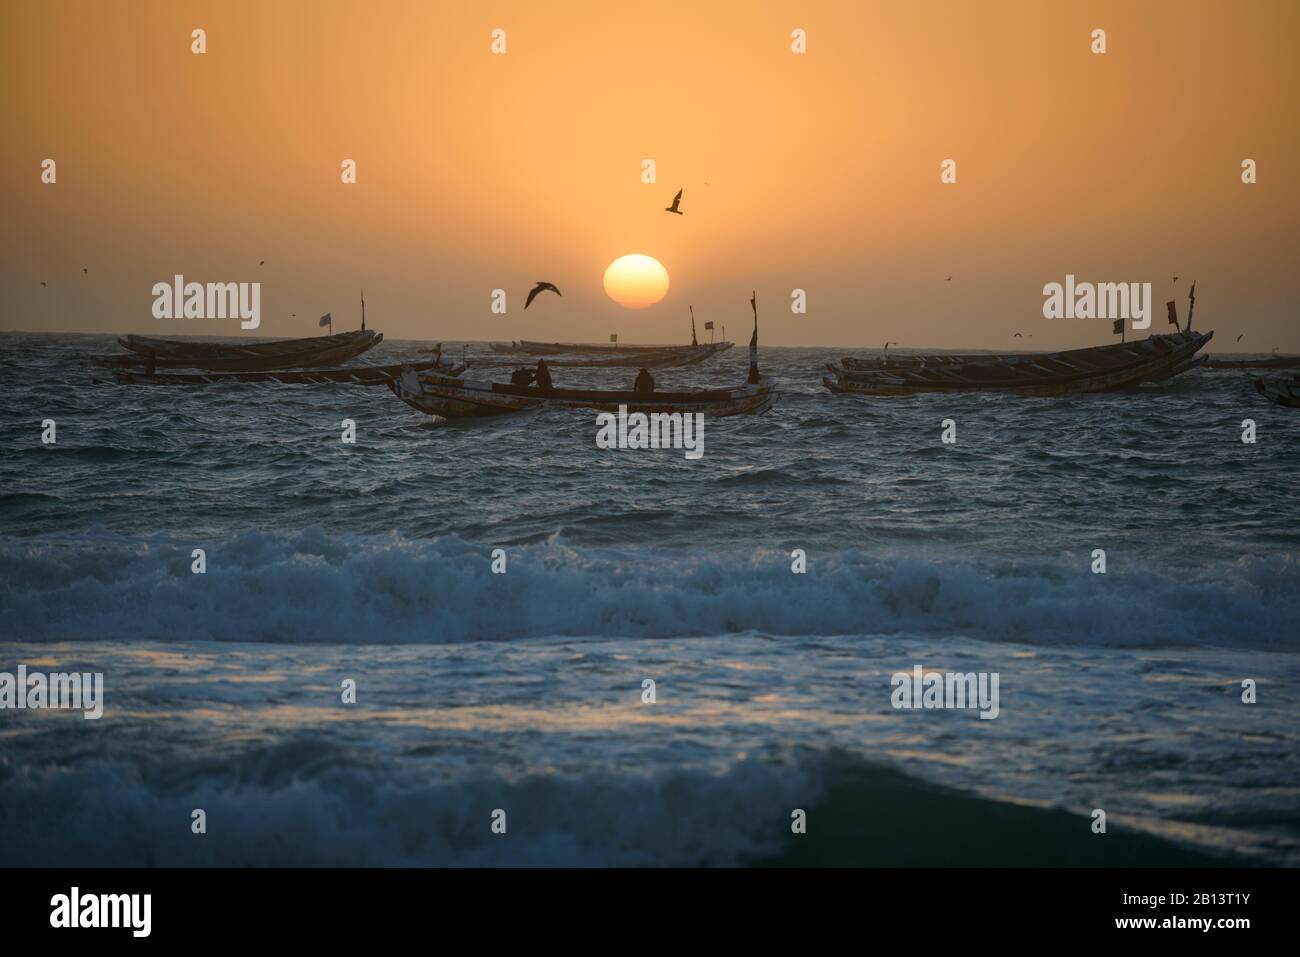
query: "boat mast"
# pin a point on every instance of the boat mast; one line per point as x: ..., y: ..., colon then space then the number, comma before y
x: 363, y: 310
x: 1191, y: 308
x: 694, y: 343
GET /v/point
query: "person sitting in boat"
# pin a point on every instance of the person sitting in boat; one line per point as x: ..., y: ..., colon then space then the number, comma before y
x: 522, y: 377
x: 645, y: 382
x: 542, y: 377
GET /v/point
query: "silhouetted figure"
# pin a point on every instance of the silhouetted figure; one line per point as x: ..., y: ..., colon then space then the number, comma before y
x: 543, y: 376
x: 676, y: 202
x: 523, y: 377
x: 541, y: 287
x: 645, y: 382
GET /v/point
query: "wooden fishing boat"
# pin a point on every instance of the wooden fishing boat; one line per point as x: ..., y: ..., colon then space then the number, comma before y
x: 664, y: 359
x: 1096, y: 369
x: 243, y: 357
x: 452, y: 397
x: 358, y: 375
x: 901, y: 360
x: 1272, y: 362
x: 1280, y: 389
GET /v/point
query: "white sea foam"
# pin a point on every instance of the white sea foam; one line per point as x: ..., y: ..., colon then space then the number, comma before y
x: 316, y: 587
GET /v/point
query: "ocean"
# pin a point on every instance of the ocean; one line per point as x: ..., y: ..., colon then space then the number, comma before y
x: 524, y: 692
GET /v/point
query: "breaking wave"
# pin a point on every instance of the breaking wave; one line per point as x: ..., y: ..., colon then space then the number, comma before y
x: 312, y: 586
x: 310, y: 802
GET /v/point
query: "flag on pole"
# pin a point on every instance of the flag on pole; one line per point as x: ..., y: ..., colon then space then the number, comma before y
x: 709, y: 324
x: 1172, y: 306
x: 1118, y: 328
x: 613, y: 337
x: 327, y: 320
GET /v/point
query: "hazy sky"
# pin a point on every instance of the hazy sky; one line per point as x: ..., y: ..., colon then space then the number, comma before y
x: 818, y: 171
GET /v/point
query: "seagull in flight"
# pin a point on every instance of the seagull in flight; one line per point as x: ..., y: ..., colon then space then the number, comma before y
x: 42, y: 282
x: 1238, y: 337
x: 84, y: 269
x: 949, y: 279
x: 541, y: 287
x: 262, y: 263
x: 676, y: 201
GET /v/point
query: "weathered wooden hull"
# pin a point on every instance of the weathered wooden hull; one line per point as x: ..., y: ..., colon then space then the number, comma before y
x: 455, y: 398
x: 1099, y: 369
x: 670, y: 359
x: 358, y: 375
x: 255, y: 357
x: 1280, y: 389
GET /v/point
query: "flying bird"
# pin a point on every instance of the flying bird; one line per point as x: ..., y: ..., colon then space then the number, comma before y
x: 42, y: 282
x: 1238, y: 337
x: 1017, y: 336
x: 673, y: 208
x: 541, y: 287
x: 1175, y: 279
x: 949, y: 279
x: 84, y: 269
x: 262, y: 263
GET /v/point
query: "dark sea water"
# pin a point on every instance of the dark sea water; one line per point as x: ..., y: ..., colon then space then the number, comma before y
x: 523, y: 691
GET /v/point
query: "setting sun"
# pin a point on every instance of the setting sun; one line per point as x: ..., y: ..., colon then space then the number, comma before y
x: 636, y: 281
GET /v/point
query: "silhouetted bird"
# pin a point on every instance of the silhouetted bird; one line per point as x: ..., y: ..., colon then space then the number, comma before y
x: 1017, y: 336
x: 262, y: 263
x: 541, y: 287
x: 949, y: 279
x: 84, y: 269
x: 676, y: 201
x: 1238, y: 337
x: 42, y: 283
x: 1175, y: 279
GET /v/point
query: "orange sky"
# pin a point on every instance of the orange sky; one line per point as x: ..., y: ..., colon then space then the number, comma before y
x: 478, y: 171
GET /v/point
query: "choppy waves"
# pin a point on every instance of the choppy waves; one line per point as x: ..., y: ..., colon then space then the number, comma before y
x: 312, y: 586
